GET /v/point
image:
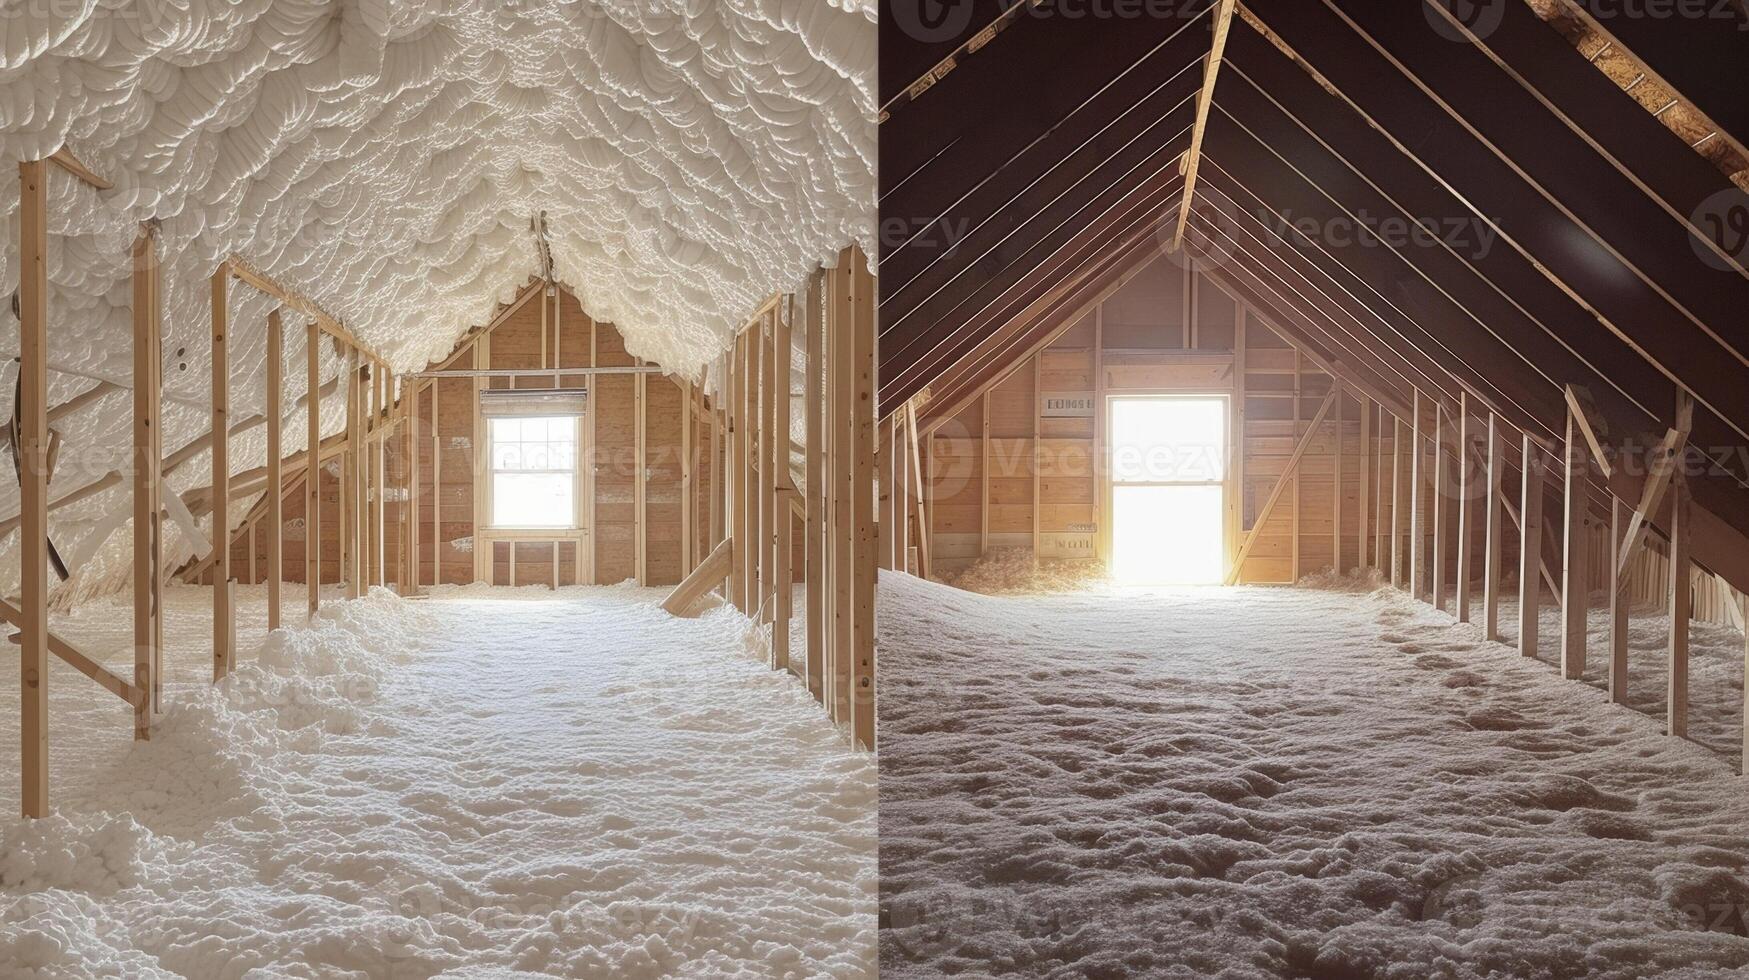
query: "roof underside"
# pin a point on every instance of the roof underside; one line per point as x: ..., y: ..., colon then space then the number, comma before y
x: 1484, y: 209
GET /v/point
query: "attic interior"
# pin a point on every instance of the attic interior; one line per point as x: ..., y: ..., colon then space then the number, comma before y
x: 422, y: 557
x: 1327, y: 422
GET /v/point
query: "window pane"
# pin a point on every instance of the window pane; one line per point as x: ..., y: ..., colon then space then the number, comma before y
x: 1166, y: 535
x: 532, y: 500
x: 1166, y: 440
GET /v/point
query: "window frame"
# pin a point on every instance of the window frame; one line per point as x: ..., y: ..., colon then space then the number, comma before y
x: 575, y: 472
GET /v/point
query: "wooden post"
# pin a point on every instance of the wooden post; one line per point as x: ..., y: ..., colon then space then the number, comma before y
x: 640, y: 479
x: 1530, y: 536
x: 769, y: 461
x: 1235, y: 475
x: 275, y: 478
x: 782, y: 520
x: 313, y: 470
x: 815, y: 511
x: 1680, y: 602
x: 379, y: 421
x: 738, y: 494
x: 410, y: 527
x: 1496, y: 522
x: 147, y: 489
x: 33, y: 439
x: 840, y: 392
x: 861, y: 330
x: 1618, y: 604
x: 688, y: 491
x: 1466, y: 510
x: 1575, y: 568
x: 917, y: 488
x: 221, y: 504
x: 1336, y: 486
x: 1441, y: 506
x: 1417, y: 574
x: 1363, y: 513
x: 1396, y: 502
x: 984, y: 477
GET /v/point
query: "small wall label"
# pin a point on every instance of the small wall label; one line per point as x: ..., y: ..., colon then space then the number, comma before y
x: 1065, y: 405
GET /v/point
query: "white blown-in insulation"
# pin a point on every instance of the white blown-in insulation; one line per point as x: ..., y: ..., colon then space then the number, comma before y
x: 386, y: 159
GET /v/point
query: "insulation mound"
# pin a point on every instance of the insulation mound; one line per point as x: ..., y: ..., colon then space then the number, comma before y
x: 1011, y: 571
x: 623, y: 793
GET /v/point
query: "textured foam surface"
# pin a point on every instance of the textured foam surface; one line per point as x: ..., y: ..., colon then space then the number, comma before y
x: 387, y: 159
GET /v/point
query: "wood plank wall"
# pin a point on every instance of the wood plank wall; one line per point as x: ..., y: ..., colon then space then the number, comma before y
x: 448, y: 496
x: 1168, y: 329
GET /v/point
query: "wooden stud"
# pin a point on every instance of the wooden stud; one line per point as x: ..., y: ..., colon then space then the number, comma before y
x: 1282, y: 482
x: 1417, y: 514
x: 782, y: 575
x: 1530, y: 530
x: 984, y: 478
x: 148, y: 452
x: 1336, y: 486
x: 1381, y: 531
x: 1494, y: 558
x: 1618, y: 606
x: 1235, y: 476
x: 688, y: 489
x: 1441, y: 503
x: 1364, y: 501
x: 860, y: 328
x: 275, y: 479
x: 1466, y: 520
x: 640, y: 479
x: 918, y: 516
x: 1397, y: 503
x: 701, y: 579
x: 1680, y: 602
x: 410, y: 527
x: 223, y: 654
x: 33, y: 430
x: 844, y: 490
x: 816, y: 578
x: 1576, y: 563
x: 379, y: 420
x: 312, y: 469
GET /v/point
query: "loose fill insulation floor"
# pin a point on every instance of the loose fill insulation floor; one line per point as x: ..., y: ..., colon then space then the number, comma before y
x: 1305, y: 783
x: 479, y: 784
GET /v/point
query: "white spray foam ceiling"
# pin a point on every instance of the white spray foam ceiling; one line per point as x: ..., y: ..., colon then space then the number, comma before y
x: 385, y: 157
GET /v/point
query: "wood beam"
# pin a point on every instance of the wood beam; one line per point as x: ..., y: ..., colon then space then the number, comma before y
x: 33, y: 429
x: 1576, y: 561
x: 224, y: 654
x: 275, y: 480
x: 148, y: 454
x: 1223, y: 21
x: 1289, y: 471
x: 707, y: 575
x: 1494, y: 556
x: 1530, y: 529
x: 1680, y: 602
x: 814, y: 482
x: 312, y: 469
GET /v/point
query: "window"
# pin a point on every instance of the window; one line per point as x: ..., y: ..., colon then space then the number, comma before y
x: 1168, y: 461
x: 534, y: 471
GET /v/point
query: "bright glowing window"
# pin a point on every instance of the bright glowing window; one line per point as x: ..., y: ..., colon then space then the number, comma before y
x: 1168, y: 466
x: 534, y: 471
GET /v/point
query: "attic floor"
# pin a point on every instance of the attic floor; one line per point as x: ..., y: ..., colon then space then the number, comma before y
x: 1261, y: 782
x: 492, y: 780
